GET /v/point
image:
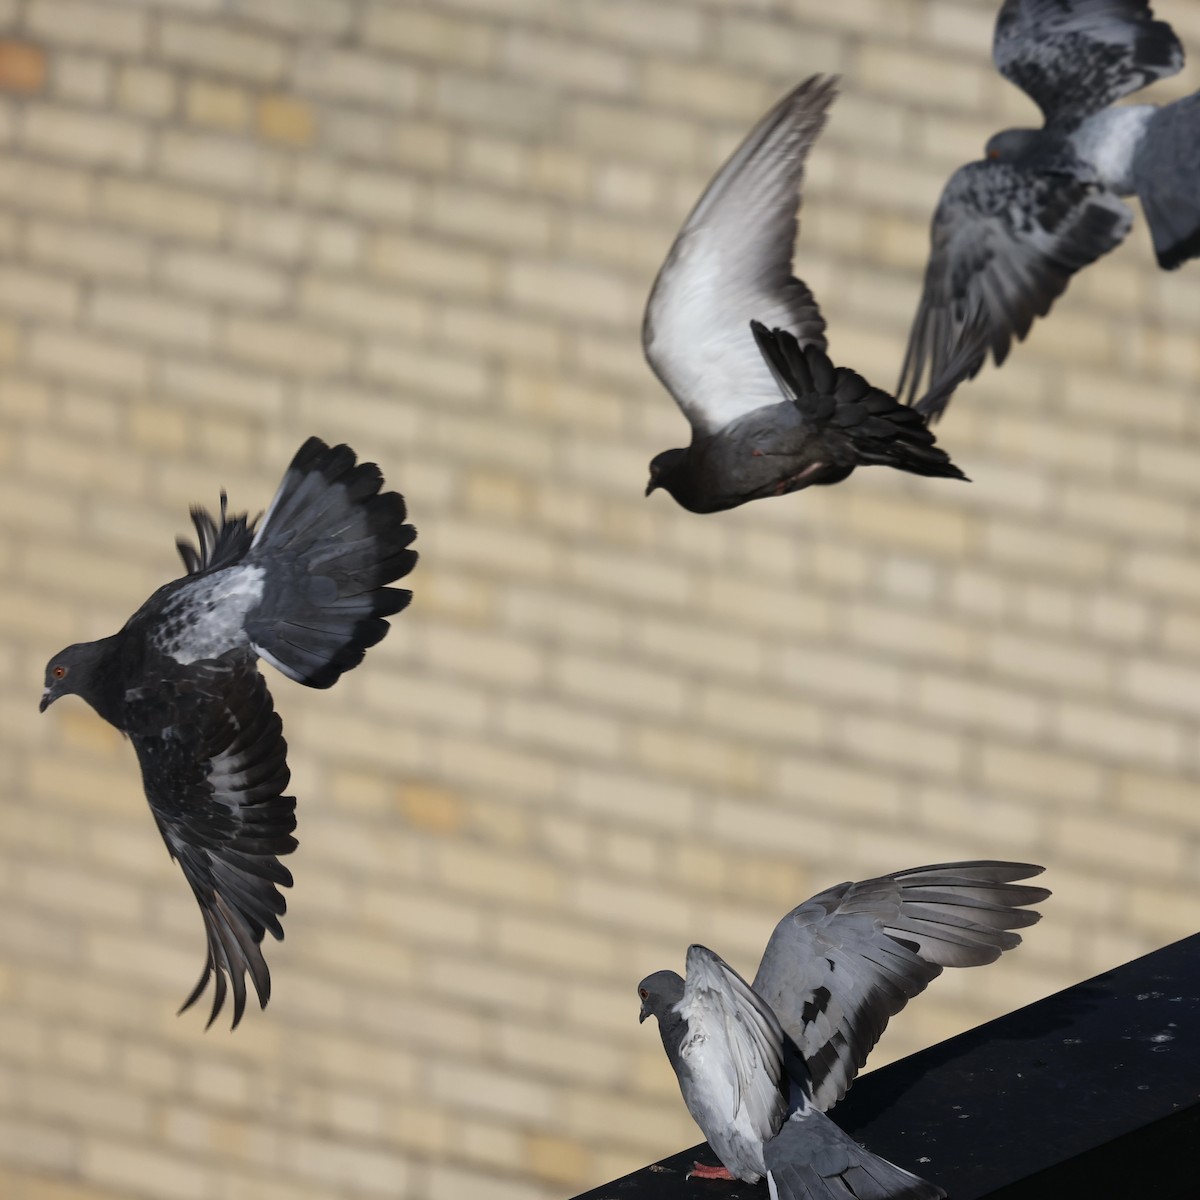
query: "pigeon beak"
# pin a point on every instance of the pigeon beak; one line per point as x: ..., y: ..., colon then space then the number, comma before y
x: 652, y: 486
x: 47, y: 700
x: 643, y: 1014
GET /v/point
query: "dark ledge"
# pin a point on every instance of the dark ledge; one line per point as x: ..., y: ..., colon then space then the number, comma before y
x: 1090, y: 1094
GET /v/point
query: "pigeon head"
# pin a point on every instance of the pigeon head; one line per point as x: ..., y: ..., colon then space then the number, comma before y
x: 70, y: 672
x: 1012, y: 145
x: 659, y: 993
x: 667, y: 470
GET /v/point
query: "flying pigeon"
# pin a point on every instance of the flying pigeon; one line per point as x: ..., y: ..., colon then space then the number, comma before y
x: 769, y: 412
x: 1011, y: 229
x: 304, y: 590
x: 759, y: 1064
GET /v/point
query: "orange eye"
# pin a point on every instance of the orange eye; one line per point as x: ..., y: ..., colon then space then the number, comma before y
x: 645, y: 995
x: 59, y: 672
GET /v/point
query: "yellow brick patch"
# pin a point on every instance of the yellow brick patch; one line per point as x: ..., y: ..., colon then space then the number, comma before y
x: 433, y: 809
x: 285, y: 119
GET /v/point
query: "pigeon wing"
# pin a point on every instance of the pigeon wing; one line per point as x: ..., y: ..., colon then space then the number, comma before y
x: 733, y: 1049
x: 214, y: 778
x: 1075, y: 57
x: 733, y: 260
x: 1005, y: 241
x: 839, y: 966
x: 218, y: 545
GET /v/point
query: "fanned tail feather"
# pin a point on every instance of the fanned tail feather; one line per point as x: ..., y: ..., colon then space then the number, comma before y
x: 811, y: 1158
x: 331, y: 542
x: 1166, y: 174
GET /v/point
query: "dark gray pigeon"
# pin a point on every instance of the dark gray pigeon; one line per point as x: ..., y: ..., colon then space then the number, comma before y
x: 758, y: 1065
x: 305, y: 591
x: 728, y: 279
x: 1011, y: 229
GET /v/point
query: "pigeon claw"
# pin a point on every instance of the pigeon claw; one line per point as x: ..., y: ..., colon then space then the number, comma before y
x: 703, y: 1171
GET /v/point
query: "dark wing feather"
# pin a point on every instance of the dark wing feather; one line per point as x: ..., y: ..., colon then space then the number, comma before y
x: 1075, y: 57
x: 1005, y: 241
x: 841, y: 402
x: 219, y: 545
x: 215, y: 777
x: 839, y: 966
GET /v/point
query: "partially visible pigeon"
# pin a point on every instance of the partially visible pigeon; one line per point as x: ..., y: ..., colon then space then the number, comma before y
x: 1011, y: 229
x: 758, y: 1065
x: 306, y: 592
x: 728, y: 279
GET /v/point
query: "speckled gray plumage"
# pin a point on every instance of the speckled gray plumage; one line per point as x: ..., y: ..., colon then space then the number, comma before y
x: 1010, y: 230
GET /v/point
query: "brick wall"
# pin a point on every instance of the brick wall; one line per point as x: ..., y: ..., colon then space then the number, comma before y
x: 606, y: 727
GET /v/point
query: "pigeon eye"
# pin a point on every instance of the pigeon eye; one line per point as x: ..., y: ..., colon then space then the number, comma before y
x: 59, y: 672
x: 645, y: 995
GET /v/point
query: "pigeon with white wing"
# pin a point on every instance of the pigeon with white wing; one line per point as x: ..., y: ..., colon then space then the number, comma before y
x: 739, y: 341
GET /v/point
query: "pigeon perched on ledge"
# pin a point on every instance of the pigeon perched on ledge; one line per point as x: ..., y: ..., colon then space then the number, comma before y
x: 727, y: 280
x: 1011, y: 229
x: 758, y: 1065
x: 306, y: 591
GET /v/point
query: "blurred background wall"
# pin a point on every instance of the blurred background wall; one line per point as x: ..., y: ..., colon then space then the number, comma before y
x: 606, y: 727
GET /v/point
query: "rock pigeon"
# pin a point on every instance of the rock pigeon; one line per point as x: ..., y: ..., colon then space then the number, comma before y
x: 726, y: 281
x: 1011, y: 229
x: 759, y: 1064
x: 305, y: 591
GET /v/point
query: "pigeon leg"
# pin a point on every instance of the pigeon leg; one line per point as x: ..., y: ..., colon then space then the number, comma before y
x: 701, y: 1171
x: 792, y: 480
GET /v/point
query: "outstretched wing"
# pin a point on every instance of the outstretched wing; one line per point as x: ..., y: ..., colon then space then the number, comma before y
x: 1005, y: 241
x: 732, y: 260
x: 1075, y: 57
x: 215, y: 777
x: 733, y: 1047
x: 839, y: 966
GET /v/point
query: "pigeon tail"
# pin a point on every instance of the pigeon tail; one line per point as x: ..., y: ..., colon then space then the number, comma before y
x: 878, y: 429
x: 330, y: 542
x: 1166, y: 176
x: 811, y: 1158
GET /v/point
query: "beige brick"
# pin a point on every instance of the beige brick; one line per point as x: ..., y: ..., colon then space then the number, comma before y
x: 83, y: 78
x: 158, y: 208
x: 281, y: 345
x: 91, y: 251
x: 489, y: 217
x: 220, y: 161
x: 225, y: 51
x: 631, y: 133
x: 491, y: 103
x: 91, y: 358
x: 96, y: 139
x: 145, y: 90
x: 202, y: 383
x: 34, y: 294
x: 670, y: 27
x: 352, y: 75
x: 329, y: 300
x: 220, y: 105
x: 1113, y: 734
x: 151, y: 317
x: 437, y: 35
x: 221, y: 276
x: 85, y: 23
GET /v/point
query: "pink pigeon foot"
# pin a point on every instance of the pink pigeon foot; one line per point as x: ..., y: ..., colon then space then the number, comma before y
x: 701, y: 1171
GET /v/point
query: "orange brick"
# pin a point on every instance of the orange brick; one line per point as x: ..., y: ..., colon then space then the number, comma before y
x: 22, y: 66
